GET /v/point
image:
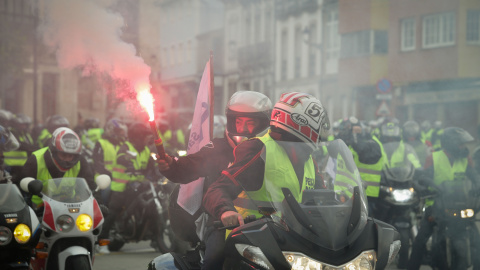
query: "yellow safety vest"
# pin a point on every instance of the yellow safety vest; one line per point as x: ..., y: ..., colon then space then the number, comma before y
x: 279, y: 170
x: 371, y: 174
x: 43, y: 138
x: 43, y: 174
x: 121, y: 178
x: 18, y: 158
x: 444, y: 171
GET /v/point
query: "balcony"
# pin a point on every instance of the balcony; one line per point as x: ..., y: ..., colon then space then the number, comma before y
x: 256, y: 55
x: 286, y: 8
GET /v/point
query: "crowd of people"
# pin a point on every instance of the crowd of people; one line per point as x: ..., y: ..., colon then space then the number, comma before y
x: 231, y: 163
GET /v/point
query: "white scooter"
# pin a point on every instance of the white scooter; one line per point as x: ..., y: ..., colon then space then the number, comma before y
x: 72, y: 221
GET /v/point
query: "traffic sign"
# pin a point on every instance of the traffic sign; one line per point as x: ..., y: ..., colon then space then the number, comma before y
x: 384, y: 86
x: 383, y: 109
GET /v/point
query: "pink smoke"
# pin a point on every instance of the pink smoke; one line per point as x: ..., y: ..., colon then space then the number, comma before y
x: 86, y: 34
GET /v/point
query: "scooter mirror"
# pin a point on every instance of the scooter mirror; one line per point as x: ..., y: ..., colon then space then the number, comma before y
x: 31, y: 185
x: 103, y: 181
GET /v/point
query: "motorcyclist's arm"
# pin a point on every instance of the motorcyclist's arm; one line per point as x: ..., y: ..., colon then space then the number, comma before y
x: 246, y: 173
x: 98, y: 163
x: 86, y: 172
x: 29, y: 169
x: 208, y: 161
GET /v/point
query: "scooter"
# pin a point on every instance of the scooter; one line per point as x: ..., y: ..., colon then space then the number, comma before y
x: 398, y: 202
x: 319, y: 228
x: 72, y: 221
x: 19, y: 227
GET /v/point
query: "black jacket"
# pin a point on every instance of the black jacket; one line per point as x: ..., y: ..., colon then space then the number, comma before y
x: 30, y: 169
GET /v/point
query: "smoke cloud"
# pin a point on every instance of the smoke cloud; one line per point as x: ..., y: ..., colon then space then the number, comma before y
x: 86, y: 34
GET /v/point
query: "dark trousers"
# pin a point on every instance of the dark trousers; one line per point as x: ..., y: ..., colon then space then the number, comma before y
x: 214, y: 246
x: 419, y: 244
x: 117, y: 201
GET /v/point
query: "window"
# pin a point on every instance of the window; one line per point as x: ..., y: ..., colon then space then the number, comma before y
x: 284, y: 56
x: 380, y: 42
x: 49, y: 93
x: 439, y: 30
x: 332, y: 48
x: 473, y: 26
x: 312, y: 49
x: 407, y: 38
x: 356, y: 44
x: 298, y: 51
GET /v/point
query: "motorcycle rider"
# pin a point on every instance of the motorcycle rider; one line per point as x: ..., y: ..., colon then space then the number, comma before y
x: 282, y: 143
x: 412, y: 136
x: 53, y: 122
x: 436, y: 135
x: 8, y: 142
x: 248, y: 115
x: 390, y: 132
x: 92, y: 132
x: 60, y: 158
x: 367, y: 154
x: 426, y: 132
x: 16, y: 159
x: 126, y: 169
x: 450, y: 164
x: 106, y: 149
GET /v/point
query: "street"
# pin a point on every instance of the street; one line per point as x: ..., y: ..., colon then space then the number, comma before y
x: 131, y: 257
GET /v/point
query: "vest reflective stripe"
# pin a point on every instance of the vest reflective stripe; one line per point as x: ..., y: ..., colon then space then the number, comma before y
x: 43, y: 174
x: 43, y: 138
x: 18, y: 158
x: 280, y: 170
x: 141, y: 161
x: 370, y: 173
x: 444, y: 171
x: 120, y: 178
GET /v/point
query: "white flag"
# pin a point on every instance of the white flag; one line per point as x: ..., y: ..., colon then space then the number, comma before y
x: 190, y: 195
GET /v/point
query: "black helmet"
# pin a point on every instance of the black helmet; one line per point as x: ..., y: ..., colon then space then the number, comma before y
x: 56, y: 121
x: 91, y: 122
x: 8, y: 142
x: 345, y: 129
x: 116, y: 130
x: 411, y: 129
x: 390, y: 130
x: 66, y: 141
x: 453, y: 141
x: 247, y: 104
x: 139, y: 134
x: 21, y: 122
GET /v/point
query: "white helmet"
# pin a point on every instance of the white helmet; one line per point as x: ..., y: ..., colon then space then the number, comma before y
x: 303, y: 116
x: 65, y: 140
x: 247, y: 104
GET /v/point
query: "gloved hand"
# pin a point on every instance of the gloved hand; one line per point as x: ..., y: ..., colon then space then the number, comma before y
x: 164, y: 164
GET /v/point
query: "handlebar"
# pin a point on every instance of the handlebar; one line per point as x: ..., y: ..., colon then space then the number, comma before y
x: 219, y: 225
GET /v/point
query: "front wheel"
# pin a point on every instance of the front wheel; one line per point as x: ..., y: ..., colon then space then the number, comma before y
x: 79, y: 262
x: 403, y: 253
x: 165, y: 238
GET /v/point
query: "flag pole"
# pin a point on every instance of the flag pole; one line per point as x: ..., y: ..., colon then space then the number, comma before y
x: 211, y: 95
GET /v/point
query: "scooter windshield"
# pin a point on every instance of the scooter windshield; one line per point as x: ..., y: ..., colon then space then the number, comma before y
x: 11, y: 200
x: 68, y: 190
x: 328, y: 206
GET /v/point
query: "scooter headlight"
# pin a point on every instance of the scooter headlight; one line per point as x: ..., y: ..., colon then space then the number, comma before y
x: 254, y: 254
x: 22, y: 233
x: 402, y: 195
x: 64, y: 223
x: 365, y: 261
x: 5, y: 236
x: 467, y: 213
x: 84, y: 222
